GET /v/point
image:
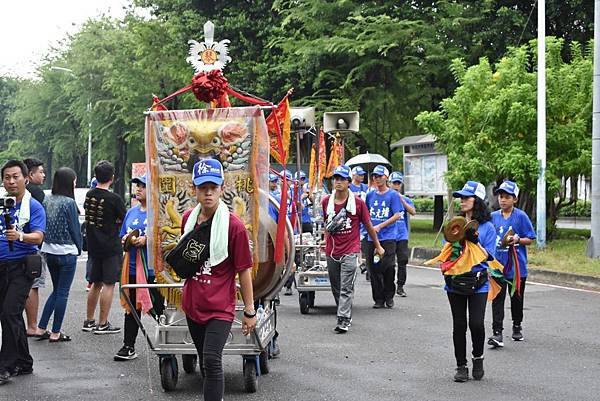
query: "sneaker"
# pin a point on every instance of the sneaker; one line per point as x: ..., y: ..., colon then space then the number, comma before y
x: 106, y: 329
x: 275, y: 350
x: 378, y: 305
x: 517, y: 333
x: 478, y: 368
x: 496, y: 340
x: 288, y: 291
x: 125, y: 354
x: 4, y: 377
x: 342, y: 326
x: 20, y: 371
x: 89, y: 325
x: 462, y: 374
x: 400, y: 291
x: 389, y: 303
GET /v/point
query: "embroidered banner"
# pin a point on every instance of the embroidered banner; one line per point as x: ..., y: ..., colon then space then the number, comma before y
x: 175, y: 141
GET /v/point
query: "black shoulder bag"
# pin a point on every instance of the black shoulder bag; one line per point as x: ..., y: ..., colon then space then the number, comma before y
x: 192, y: 250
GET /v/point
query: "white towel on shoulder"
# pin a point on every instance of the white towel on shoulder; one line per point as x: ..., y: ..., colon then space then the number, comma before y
x: 219, y: 232
x: 350, y: 205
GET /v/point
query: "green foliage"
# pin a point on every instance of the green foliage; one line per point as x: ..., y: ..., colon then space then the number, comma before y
x: 488, y: 127
x: 426, y: 205
x: 578, y: 209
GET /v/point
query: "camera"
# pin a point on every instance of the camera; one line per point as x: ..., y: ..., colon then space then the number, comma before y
x: 8, y: 202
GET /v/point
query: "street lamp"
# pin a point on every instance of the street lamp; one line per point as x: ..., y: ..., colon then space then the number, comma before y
x: 89, y: 111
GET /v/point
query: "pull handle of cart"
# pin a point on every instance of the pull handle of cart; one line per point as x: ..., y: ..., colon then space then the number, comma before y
x: 158, y: 286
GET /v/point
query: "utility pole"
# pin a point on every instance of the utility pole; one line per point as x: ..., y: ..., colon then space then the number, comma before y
x: 593, y: 250
x: 541, y: 126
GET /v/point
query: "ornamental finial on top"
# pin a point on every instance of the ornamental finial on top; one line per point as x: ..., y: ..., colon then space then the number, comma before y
x: 208, y: 55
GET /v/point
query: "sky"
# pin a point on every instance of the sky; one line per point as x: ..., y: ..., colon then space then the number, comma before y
x: 29, y: 28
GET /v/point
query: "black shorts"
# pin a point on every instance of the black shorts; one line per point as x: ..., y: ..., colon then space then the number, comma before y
x: 106, y: 270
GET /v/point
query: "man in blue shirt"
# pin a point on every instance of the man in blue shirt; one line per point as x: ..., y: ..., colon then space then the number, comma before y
x: 403, y: 231
x: 510, y: 218
x: 384, y: 207
x: 22, y: 227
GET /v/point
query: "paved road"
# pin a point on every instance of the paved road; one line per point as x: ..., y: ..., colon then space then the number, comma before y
x: 399, y: 354
x: 582, y: 223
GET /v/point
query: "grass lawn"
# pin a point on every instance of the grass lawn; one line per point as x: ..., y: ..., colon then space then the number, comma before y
x: 564, y: 254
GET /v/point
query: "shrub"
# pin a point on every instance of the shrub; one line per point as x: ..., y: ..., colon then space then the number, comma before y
x: 577, y: 209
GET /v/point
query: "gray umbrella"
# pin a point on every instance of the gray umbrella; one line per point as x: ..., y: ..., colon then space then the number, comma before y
x: 368, y: 161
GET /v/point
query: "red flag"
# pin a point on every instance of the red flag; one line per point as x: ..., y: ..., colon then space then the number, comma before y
x: 278, y: 124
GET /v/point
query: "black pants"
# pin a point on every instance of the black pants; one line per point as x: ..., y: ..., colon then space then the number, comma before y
x: 383, y: 273
x: 476, y: 306
x: 210, y: 339
x: 14, y: 288
x: 401, y: 260
x: 516, y: 307
x: 307, y: 227
x: 130, y: 326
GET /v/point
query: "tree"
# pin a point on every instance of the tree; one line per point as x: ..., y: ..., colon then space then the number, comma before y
x: 488, y: 127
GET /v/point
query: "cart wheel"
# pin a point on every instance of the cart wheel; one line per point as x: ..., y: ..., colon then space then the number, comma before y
x: 168, y: 373
x: 250, y: 379
x: 263, y: 359
x: 311, y: 299
x: 189, y: 363
x: 303, y: 303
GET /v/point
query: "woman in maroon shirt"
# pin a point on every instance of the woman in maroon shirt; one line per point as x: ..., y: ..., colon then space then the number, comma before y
x: 209, y: 297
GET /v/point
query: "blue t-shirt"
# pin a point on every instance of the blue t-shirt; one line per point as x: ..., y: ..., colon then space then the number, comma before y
x: 37, y: 222
x: 136, y: 219
x: 487, y: 239
x: 521, y: 225
x: 360, y: 190
x: 272, y: 208
x: 305, y: 204
x: 402, y: 224
x: 381, y: 208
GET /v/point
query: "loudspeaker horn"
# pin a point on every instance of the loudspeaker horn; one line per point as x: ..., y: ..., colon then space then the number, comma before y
x: 342, y: 121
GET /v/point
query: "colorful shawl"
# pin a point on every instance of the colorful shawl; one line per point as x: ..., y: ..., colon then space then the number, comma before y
x: 142, y: 301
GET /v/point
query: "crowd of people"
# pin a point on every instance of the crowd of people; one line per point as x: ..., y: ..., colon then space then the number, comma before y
x: 365, y: 225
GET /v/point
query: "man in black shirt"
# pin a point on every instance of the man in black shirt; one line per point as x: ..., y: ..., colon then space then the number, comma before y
x: 104, y: 213
x: 35, y: 178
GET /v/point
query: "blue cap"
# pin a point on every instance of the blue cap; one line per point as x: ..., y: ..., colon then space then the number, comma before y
x: 139, y: 180
x: 381, y: 170
x: 300, y: 174
x: 343, y: 171
x: 358, y: 170
x: 396, y: 176
x: 288, y: 174
x: 509, y: 187
x: 208, y: 170
x: 93, y: 183
x: 471, y: 188
x: 273, y: 177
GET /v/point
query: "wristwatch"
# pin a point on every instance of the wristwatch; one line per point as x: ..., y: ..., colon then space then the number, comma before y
x: 21, y: 236
x: 249, y: 315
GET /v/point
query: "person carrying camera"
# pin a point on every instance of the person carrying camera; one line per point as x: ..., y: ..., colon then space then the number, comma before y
x: 344, y: 211
x: 22, y: 228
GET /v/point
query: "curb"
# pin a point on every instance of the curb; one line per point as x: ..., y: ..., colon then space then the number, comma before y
x: 419, y: 255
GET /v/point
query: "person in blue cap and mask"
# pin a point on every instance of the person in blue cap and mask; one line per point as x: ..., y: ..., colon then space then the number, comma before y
x: 304, y: 202
x: 472, y: 207
x: 137, y: 271
x: 384, y: 208
x: 513, y: 257
x: 403, y: 231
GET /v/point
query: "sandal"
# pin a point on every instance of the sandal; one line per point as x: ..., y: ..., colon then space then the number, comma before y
x: 45, y: 336
x: 61, y: 338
